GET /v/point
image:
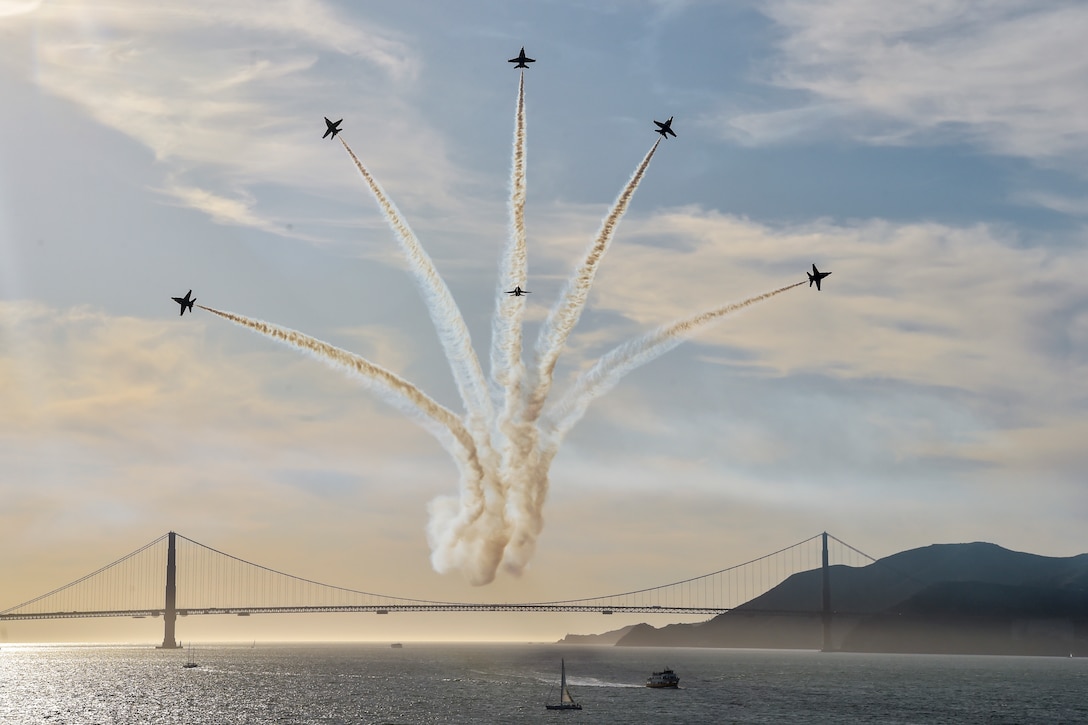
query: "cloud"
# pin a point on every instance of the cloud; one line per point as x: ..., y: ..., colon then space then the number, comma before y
x: 1006, y: 77
x: 122, y: 414
x: 299, y: 22
x: 18, y: 7
x: 1061, y: 203
x: 227, y: 97
x: 223, y: 210
x: 926, y: 303
x: 202, y: 85
x: 929, y: 346
x: 233, y: 211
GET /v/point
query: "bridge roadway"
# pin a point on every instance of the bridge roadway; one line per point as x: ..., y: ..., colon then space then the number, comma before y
x: 376, y: 609
x: 421, y: 607
x: 595, y: 605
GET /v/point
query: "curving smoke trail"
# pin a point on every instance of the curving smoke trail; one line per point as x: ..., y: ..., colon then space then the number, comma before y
x: 506, y: 330
x: 532, y: 461
x: 612, y: 366
x: 507, y: 369
x: 515, y: 438
x: 444, y: 312
x: 452, y: 525
x: 503, y: 448
x: 473, y: 535
x: 397, y: 391
x: 548, y: 433
x: 565, y: 315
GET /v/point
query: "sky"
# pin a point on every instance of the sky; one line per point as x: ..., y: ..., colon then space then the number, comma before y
x: 931, y: 155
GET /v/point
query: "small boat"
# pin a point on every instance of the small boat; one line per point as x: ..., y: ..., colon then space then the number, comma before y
x: 190, y: 662
x: 566, y: 702
x: 396, y: 645
x: 664, y: 678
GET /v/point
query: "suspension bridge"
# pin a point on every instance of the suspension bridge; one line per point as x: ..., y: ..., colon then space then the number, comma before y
x: 174, y: 576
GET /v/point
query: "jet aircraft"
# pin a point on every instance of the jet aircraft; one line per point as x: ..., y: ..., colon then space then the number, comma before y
x: 522, y: 61
x: 518, y: 292
x: 333, y: 128
x: 665, y: 128
x: 185, y: 302
x: 815, y: 276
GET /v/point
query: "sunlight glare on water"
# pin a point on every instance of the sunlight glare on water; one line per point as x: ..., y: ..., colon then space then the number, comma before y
x: 370, y: 683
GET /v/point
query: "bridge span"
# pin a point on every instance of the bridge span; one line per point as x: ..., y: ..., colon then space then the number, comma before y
x: 174, y: 576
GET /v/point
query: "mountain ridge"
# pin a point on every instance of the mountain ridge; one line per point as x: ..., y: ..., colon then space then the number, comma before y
x: 975, y: 597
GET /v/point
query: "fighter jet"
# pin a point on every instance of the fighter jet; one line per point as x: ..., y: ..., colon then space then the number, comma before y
x: 665, y: 128
x: 185, y: 302
x: 333, y: 128
x: 522, y: 61
x: 518, y: 292
x: 815, y: 276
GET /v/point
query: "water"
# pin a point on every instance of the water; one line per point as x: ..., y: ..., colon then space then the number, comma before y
x: 368, y: 683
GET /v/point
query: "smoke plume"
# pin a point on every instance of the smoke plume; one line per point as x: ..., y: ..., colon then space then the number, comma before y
x: 607, y: 372
x: 504, y: 443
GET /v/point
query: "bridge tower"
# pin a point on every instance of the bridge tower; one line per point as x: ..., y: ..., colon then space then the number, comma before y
x: 170, y: 612
x: 826, y: 569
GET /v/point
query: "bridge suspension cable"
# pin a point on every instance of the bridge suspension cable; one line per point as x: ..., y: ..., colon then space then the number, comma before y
x: 210, y: 581
x: 213, y: 579
x: 133, y: 582
x: 730, y: 587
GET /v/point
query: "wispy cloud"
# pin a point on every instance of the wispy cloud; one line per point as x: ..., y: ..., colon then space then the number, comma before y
x: 303, y: 22
x: 229, y: 94
x: 18, y: 7
x: 1061, y: 203
x: 927, y: 303
x: 98, y: 408
x: 237, y: 210
x: 189, y: 99
x: 223, y: 210
x: 1008, y: 77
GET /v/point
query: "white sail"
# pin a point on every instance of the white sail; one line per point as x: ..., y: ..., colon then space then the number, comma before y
x: 566, y: 702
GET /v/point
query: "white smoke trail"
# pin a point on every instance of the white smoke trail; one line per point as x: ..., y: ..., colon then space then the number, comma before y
x: 444, y: 424
x: 473, y: 537
x: 564, y: 316
x: 467, y: 533
x: 611, y: 367
x: 445, y: 315
x: 548, y: 433
x: 508, y: 370
x: 509, y: 312
x: 529, y: 477
x: 503, y: 456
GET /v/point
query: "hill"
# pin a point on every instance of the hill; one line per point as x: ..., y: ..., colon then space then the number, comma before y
x: 969, y: 598
x: 607, y: 638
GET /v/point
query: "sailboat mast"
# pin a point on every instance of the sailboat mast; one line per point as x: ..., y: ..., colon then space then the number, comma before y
x: 566, y: 702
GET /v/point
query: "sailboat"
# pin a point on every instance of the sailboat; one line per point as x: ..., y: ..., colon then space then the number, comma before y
x: 191, y: 662
x: 566, y: 702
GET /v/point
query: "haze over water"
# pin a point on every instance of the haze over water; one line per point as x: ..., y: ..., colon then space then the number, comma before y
x: 128, y: 685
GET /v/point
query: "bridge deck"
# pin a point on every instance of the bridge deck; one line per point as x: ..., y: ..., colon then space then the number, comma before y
x: 376, y: 609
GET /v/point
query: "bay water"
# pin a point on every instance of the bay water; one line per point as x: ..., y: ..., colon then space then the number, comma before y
x: 510, y: 683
